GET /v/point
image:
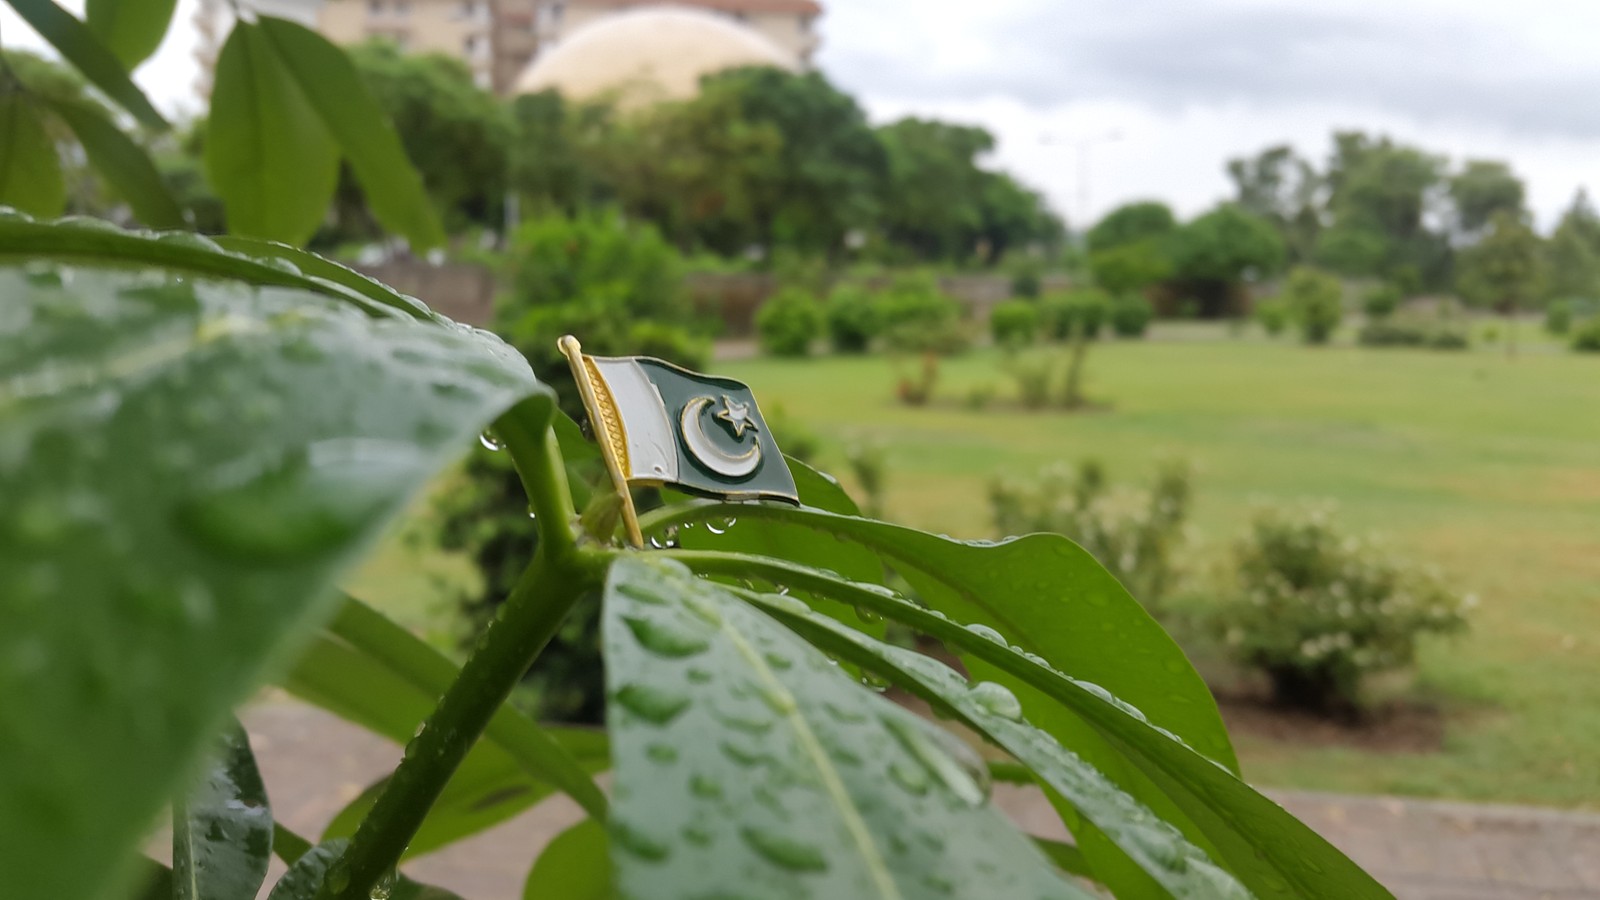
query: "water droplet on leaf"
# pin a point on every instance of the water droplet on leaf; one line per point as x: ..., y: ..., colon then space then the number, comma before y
x: 997, y: 699
x: 491, y: 441
x: 666, y: 637
x: 651, y: 703
x: 783, y: 851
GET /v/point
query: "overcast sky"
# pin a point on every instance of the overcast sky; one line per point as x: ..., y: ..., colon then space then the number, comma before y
x: 1183, y: 85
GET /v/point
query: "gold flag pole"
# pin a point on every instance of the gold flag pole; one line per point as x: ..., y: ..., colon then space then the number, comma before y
x: 608, y: 431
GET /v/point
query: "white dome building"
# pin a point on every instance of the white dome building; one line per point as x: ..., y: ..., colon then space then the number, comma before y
x: 648, y: 55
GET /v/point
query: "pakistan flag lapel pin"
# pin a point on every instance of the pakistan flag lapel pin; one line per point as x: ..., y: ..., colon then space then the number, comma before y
x: 658, y: 424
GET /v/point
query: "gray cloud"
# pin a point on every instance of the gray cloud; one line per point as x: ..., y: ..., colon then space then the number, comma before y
x: 1169, y: 55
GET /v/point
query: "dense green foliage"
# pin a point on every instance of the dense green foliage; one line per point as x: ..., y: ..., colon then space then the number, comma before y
x: 1131, y: 314
x: 1317, y: 611
x: 1380, y: 301
x: 1014, y: 323
x: 1315, y: 303
x: 1134, y: 534
x: 853, y: 319
x: 1080, y: 312
x: 918, y: 317
x: 790, y: 323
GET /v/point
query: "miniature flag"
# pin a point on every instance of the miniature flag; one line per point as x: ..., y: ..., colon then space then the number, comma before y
x: 659, y: 424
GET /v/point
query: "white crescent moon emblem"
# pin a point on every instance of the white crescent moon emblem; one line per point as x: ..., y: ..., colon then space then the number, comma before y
x: 707, y: 452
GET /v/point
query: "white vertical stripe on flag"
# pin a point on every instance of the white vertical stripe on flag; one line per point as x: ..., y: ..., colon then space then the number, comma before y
x: 652, y: 447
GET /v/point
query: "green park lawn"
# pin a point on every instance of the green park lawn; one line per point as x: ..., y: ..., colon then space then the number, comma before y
x: 1486, y: 466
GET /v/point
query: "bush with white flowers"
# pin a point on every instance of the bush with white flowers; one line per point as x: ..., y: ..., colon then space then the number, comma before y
x: 1317, y: 612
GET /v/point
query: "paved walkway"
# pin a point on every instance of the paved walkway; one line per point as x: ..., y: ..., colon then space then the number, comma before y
x: 314, y: 764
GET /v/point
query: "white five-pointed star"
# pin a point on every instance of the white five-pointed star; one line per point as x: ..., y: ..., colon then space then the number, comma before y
x: 737, y: 415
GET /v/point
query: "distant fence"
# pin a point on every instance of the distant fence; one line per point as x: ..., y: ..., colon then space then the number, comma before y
x: 465, y: 291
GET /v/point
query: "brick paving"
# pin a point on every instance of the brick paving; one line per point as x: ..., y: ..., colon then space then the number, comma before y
x: 315, y: 763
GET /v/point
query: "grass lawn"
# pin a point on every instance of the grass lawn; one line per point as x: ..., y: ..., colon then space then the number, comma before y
x: 1487, y: 466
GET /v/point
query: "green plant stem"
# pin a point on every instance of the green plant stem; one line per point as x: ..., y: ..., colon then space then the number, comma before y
x: 529, y: 617
x: 559, y: 574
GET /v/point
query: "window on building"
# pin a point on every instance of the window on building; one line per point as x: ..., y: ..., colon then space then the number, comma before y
x: 374, y: 7
x: 470, y: 44
x: 401, y: 7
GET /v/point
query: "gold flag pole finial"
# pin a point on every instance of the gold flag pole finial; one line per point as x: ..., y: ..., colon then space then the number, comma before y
x: 612, y: 444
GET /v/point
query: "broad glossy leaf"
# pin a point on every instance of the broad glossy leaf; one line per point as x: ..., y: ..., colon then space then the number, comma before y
x: 188, y: 465
x: 132, y: 29
x: 1048, y: 596
x: 267, y: 153
x: 30, y: 171
x: 1159, y: 850
x: 321, y: 863
x: 324, y: 270
x: 575, y: 866
x: 1272, y: 853
x: 123, y: 164
x: 222, y: 828
x: 780, y: 539
x: 334, y: 88
x: 745, y: 763
x: 287, y: 845
x: 79, y: 46
x: 94, y: 242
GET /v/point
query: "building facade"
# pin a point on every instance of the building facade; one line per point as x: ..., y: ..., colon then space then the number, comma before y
x: 497, y: 39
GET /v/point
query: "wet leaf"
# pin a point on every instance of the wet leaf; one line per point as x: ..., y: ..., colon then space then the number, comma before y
x: 321, y: 864
x: 756, y: 768
x: 575, y: 866
x: 222, y: 828
x: 187, y: 464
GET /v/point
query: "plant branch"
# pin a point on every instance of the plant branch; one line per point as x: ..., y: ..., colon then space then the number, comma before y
x: 559, y: 574
x: 528, y: 619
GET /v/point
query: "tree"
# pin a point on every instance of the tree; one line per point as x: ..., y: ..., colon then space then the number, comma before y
x: 1481, y: 190
x: 934, y: 202
x: 1315, y: 303
x: 1283, y: 188
x: 1504, y: 270
x: 457, y: 134
x: 1131, y: 222
x: 1572, y: 255
x: 1382, y: 190
x: 1219, y: 250
x: 1131, y: 266
x: 832, y: 166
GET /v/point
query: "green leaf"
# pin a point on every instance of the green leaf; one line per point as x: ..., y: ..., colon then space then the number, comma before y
x: 267, y: 153
x: 156, y: 879
x: 1066, y: 857
x: 1182, y: 870
x: 370, y: 144
x: 1043, y: 593
x: 728, y: 779
x: 779, y: 539
x: 79, y: 45
x: 192, y: 463
x: 304, y: 879
x: 287, y: 845
x: 575, y: 866
x: 132, y: 29
x: 222, y: 829
x: 381, y: 676
x: 123, y: 163
x: 1269, y: 851
x: 30, y: 171
x: 314, y: 266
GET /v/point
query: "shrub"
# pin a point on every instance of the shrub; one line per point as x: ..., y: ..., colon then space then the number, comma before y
x: 1273, y: 314
x: 1558, y: 317
x: 919, y: 318
x: 1014, y: 323
x: 979, y: 396
x: 1413, y: 332
x: 1131, y: 315
x: 1133, y: 533
x: 854, y: 319
x: 1316, y: 612
x: 1315, y: 303
x: 1034, y: 372
x: 1027, y: 279
x: 1060, y: 315
x: 1380, y: 301
x: 1586, y: 337
x: 789, y: 323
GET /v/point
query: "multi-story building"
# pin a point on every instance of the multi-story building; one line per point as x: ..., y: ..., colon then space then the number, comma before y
x: 497, y: 39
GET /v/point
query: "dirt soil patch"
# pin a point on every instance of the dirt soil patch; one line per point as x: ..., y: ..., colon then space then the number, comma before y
x: 1395, y: 727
